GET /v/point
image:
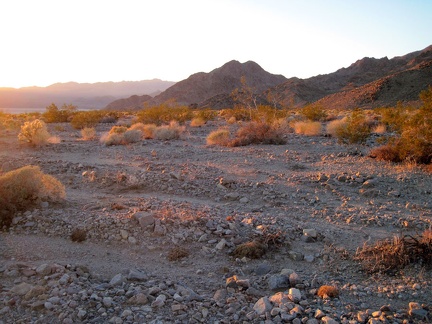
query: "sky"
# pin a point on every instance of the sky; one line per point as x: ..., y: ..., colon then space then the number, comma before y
x: 87, y: 41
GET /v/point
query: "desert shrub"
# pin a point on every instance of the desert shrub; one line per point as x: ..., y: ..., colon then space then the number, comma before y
x: 84, y: 119
x: 88, y: 133
x: 258, y: 133
x: 132, y: 135
x: 333, y: 126
x: 26, y: 187
x: 164, y: 114
x: 168, y: 132
x: 112, y: 139
x: 197, y: 122
x: 237, y: 113
x: 34, y: 132
x: 414, y: 141
x: 309, y: 128
x: 118, y: 130
x: 326, y: 291
x: 386, y: 152
x: 177, y: 253
x: 314, y: 113
x: 251, y: 250
x: 53, y: 114
x: 395, y: 117
x: 379, y: 129
x: 393, y: 254
x: 206, y: 114
x: 220, y: 137
x: 78, y: 235
x: 355, y: 129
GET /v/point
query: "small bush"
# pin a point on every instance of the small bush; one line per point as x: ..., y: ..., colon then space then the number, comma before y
x: 314, y: 113
x: 26, y: 187
x: 177, y: 253
x: 132, y: 135
x: 164, y: 114
x: 118, y: 130
x: 206, y: 114
x: 35, y: 133
x: 333, y: 126
x: 251, y: 250
x: 168, y: 132
x: 355, y: 129
x: 88, y: 133
x: 197, y: 122
x: 220, y: 137
x: 55, y: 115
x: 394, y: 254
x: 85, y: 119
x: 326, y: 291
x: 78, y: 235
x: 112, y: 139
x: 309, y: 128
x: 258, y: 133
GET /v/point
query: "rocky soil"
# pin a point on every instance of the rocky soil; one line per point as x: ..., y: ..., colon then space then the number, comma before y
x: 311, y: 203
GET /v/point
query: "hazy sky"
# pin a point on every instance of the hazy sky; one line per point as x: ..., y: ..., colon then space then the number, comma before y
x: 44, y: 41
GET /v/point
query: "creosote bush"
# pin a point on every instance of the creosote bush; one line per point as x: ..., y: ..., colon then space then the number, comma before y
x: 24, y: 188
x: 168, y: 132
x: 84, y: 119
x: 164, y: 114
x: 197, y: 122
x: 219, y: 137
x: 314, y: 113
x: 177, y: 253
x: 355, y: 128
x: 258, y: 133
x: 34, y: 133
x: 394, y: 254
x: 413, y: 142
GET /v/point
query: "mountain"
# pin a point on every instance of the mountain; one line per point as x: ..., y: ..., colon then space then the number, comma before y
x: 365, y: 83
x: 132, y: 103
x: 221, y: 81
x: 83, y: 95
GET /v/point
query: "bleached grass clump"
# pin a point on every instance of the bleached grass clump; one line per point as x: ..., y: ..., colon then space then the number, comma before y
x: 132, y: 136
x: 220, y: 137
x: 34, y: 133
x: 147, y: 130
x: 197, y: 122
x: 379, y: 129
x: 334, y: 126
x: 308, y: 128
x: 112, y: 139
x: 168, y: 132
x: 88, y: 133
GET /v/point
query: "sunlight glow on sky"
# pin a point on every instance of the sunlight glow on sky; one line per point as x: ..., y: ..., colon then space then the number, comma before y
x: 49, y: 41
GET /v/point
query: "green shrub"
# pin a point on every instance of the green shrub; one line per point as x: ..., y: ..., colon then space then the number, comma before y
x: 219, y: 137
x: 314, y: 113
x: 355, y: 129
x: 34, y: 133
x: 26, y: 187
x: 85, y: 119
x: 164, y: 114
x: 55, y: 115
x: 414, y: 141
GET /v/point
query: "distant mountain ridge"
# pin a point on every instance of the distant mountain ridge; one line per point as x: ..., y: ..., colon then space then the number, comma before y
x: 84, y: 95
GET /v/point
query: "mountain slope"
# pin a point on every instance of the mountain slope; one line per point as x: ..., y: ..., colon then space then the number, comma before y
x: 347, y: 81
x: 223, y: 80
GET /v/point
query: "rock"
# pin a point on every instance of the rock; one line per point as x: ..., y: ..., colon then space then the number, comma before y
x: 296, y: 256
x: 138, y: 299
x: 244, y: 200
x: 277, y: 282
x: 309, y: 258
x: 34, y: 292
x: 132, y: 240
x: 319, y: 314
x: 44, y: 269
x: 137, y: 275
x: 144, y: 219
x: 117, y: 280
x: 21, y: 289
x: 263, y: 269
x: 159, y: 301
x: 222, y: 243
x: 124, y: 234
x: 220, y: 297
x: 310, y: 232
x: 81, y: 314
x: 294, y: 294
x: 107, y: 302
x: 294, y: 279
x: 328, y: 320
x: 262, y: 305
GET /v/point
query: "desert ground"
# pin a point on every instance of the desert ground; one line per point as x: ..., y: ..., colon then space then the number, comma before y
x: 163, y: 218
